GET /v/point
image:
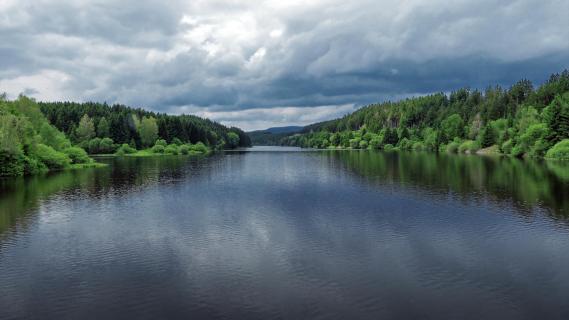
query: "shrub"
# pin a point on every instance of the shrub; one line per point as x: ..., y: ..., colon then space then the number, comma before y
x: 161, y: 142
x: 418, y: 146
x: 199, y: 147
x: 363, y: 144
x: 34, y: 166
x: 107, y: 145
x: 94, y: 145
x: 375, y: 143
x: 355, y: 143
x: 11, y: 164
x: 559, y: 151
x: 125, y: 149
x: 158, y: 148
x: 468, y: 146
x: 177, y: 142
x: 77, y: 155
x: 507, y: 146
x: 388, y: 147
x: 184, y: 149
x: 405, y: 144
x: 452, y: 147
x: 171, y: 149
x: 51, y: 158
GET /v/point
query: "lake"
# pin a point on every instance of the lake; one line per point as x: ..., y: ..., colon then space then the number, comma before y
x: 284, y: 233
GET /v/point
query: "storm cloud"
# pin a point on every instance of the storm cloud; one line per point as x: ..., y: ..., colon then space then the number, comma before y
x: 265, y: 63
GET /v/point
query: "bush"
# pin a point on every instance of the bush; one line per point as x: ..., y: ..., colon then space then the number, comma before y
x: 11, y: 164
x: 161, y: 142
x: 419, y: 146
x: 355, y: 143
x: 199, y: 147
x: 171, y: 149
x: 468, y: 146
x: 363, y: 144
x: 94, y: 145
x: 177, y: 142
x: 375, y: 143
x: 507, y: 146
x: 452, y: 147
x: 405, y: 144
x: 51, y: 158
x: 184, y: 149
x: 388, y: 147
x: 559, y: 150
x: 107, y: 145
x: 158, y: 148
x: 77, y: 155
x: 125, y: 149
x: 34, y: 166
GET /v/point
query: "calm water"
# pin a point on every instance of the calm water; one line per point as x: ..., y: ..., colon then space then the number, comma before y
x: 289, y: 235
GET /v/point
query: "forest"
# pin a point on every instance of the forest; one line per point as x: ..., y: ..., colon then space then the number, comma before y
x: 519, y: 121
x: 40, y: 137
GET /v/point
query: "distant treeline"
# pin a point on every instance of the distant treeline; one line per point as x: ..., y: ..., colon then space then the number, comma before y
x: 266, y: 138
x: 519, y: 121
x: 123, y: 124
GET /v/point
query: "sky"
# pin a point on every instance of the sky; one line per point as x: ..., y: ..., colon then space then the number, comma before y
x: 259, y: 64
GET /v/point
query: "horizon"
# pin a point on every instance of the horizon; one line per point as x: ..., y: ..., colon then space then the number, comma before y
x: 257, y: 66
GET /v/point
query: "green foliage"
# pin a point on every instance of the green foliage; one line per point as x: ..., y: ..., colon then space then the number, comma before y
x: 128, y: 124
x: 556, y: 116
x: 388, y: 147
x: 103, y: 129
x: 125, y: 149
x: 158, y: 148
x: 86, y: 129
x: 28, y: 143
x: 106, y: 146
x: 184, y: 149
x: 161, y: 142
x: 452, y: 147
x: 452, y: 127
x: 363, y: 144
x: 419, y: 146
x: 232, y: 140
x: 489, y: 136
x: 148, y: 131
x: 77, y: 155
x: 559, y: 151
x: 177, y: 142
x: 199, y: 147
x: 171, y: 149
x: 469, y: 146
x: 518, y: 121
x: 51, y: 158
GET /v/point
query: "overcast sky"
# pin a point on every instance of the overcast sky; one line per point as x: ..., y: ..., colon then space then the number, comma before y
x: 256, y: 64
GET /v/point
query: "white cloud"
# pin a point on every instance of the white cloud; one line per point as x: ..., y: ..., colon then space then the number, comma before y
x: 230, y: 55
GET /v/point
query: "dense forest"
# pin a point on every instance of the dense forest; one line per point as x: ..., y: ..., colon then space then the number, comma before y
x: 29, y: 144
x: 39, y: 137
x: 139, y: 128
x: 519, y: 121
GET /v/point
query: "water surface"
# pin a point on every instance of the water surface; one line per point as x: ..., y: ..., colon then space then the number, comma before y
x: 283, y: 233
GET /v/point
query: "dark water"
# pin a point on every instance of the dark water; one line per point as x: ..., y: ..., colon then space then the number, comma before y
x: 293, y: 235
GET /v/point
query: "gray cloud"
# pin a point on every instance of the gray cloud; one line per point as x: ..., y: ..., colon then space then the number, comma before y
x: 226, y: 58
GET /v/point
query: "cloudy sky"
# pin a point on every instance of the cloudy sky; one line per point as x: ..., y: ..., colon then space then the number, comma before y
x: 256, y: 64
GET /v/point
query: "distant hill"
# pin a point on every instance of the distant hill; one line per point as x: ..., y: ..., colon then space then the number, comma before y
x: 272, y: 136
x: 289, y: 129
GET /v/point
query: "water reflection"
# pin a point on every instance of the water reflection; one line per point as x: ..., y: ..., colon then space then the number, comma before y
x: 527, y: 184
x: 262, y: 235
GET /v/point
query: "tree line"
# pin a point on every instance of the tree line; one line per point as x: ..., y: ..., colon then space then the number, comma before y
x: 518, y: 121
x: 39, y: 137
x: 139, y: 128
x: 29, y: 144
